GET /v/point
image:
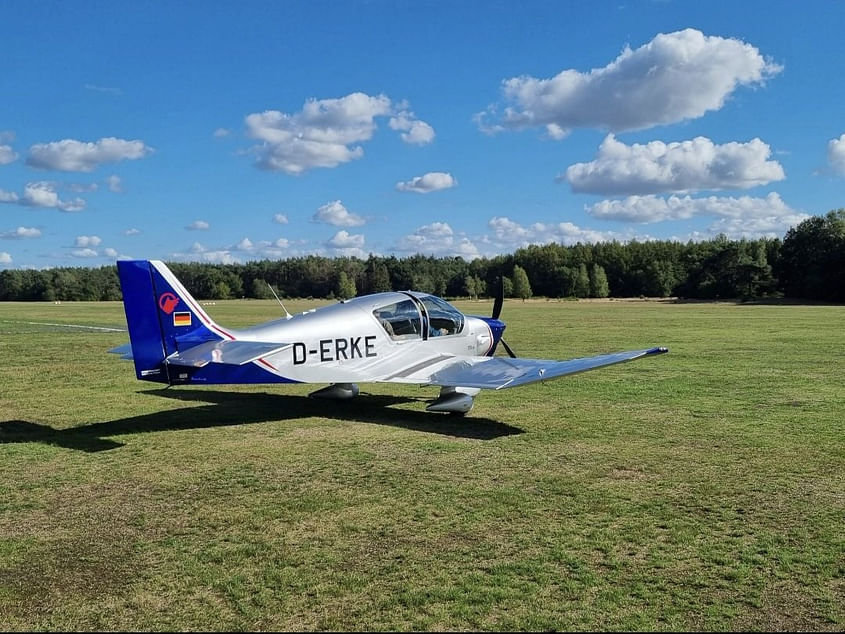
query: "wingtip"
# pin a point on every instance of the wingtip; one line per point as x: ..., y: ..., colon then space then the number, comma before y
x: 660, y: 350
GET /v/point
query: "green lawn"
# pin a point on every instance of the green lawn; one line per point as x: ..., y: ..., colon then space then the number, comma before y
x: 700, y: 490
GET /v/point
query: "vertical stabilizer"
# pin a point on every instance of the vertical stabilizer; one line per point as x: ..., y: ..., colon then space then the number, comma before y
x: 162, y: 317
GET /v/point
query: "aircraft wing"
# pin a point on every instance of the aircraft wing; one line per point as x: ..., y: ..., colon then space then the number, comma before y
x: 497, y: 373
x: 230, y: 352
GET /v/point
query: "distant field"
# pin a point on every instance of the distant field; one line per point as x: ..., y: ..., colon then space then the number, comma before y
x: 700, y: 490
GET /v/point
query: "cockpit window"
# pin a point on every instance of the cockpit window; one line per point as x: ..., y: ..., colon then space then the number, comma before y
x: 401, y: 320
x: 443, y: 318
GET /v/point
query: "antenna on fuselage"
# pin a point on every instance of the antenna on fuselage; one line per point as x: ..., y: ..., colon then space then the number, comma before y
x: 287, y: 314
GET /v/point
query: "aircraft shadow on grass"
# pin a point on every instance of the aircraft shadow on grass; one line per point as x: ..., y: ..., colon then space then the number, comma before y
x: 222, y: 409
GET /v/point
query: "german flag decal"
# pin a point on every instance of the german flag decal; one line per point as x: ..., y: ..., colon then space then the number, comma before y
x: 181, y: 319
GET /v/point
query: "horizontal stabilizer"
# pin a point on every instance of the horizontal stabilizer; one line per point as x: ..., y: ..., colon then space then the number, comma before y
x: 499, y: 372
x: 125, y: 351
x: 230, y: 352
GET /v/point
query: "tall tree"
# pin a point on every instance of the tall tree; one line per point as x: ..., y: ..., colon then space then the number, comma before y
x: 521, y: 285
x: 598, y: 282
x: 345, y: 286
x: 582, y: 281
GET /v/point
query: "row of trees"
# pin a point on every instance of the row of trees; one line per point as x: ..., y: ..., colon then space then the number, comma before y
x: 809, y: 263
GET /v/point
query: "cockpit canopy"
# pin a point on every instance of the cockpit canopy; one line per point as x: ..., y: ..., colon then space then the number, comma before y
x: 419, y: 316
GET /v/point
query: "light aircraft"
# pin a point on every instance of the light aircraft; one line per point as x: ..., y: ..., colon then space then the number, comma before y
x: 395, y: 337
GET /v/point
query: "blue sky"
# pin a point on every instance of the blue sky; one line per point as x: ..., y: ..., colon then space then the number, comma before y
x: 236, y: 131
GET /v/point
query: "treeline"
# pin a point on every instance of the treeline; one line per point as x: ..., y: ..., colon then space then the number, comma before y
x: 808, y: 263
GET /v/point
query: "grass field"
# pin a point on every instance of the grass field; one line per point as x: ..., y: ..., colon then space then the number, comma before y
x: 701, y: 490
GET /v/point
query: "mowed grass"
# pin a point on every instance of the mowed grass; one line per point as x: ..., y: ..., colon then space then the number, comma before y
x: 700, y: 490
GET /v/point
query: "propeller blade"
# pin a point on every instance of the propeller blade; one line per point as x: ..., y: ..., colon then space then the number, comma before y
x: 500, y: 299
x: 508, y: 348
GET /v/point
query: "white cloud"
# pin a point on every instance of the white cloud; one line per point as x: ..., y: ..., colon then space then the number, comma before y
x: 42, y: 194
x: 110, y: 252
x: 198, y: 225
x: 5, y: 258
x: 83, y: 187
x: 439, y: 239
x: 677, y: 167
x: 346, y: 244
x: 836, y: 154
x: 198, y: 253
x: 737, y: 217
x: 508, y: 234
x: 87, y: 241
x: 243, y: 245
x: 430, y: 182
x: 219, y: 133
x: 84, y: 253
x: 345, y: 240
x: 324, y: 133
x: 21, y: 233
x: 413, y: 130
x: 7, y: 155
x: 675, y: 76
x: 132, y: 232
x: 8, y: 197
x: 335, y: 214
x: 115, y: 184
x: 280, y: 219
x: 70, y: 155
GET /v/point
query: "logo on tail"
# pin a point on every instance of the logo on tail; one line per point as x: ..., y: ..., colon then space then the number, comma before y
x: 168, y: 302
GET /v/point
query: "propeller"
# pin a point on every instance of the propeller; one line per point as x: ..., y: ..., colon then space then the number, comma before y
x: 497, y: 310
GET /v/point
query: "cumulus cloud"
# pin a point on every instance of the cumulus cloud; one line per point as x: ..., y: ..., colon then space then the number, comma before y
x: 430, y: 182
x: 345, y: 240
x: 87, y: 241
x: 325, y: 133
x: 132, y: 232
x: 509, y: 234
x: 109, y: 252
x: 7, y: 155
x: 5, y: 258
x: 70, y: 155
x: 836, y: 154
x: 84, y: 253
x: 438, y: 238
x: 42, y: 194
x: 675, y: 76
x: 280, y: 219
x: 21, y: 233
x: 335, y: 214
x: 677, y: 167
x: 744, y: 216
x: 346, y: 244
x: 198, y: 253
x: 412, y: 129
x: 198, y: 225
x: 219, y: 133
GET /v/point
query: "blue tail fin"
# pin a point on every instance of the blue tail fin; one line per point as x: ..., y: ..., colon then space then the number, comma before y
x: 162, y: 317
